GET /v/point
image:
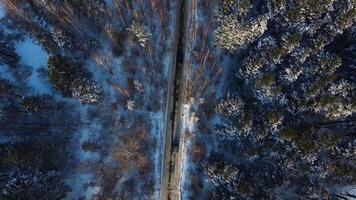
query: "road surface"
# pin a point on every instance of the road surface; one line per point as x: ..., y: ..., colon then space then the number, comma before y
x: 175, y: 95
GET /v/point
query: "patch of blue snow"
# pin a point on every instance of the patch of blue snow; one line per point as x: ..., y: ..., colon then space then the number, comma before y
x: 80, y: 186
x: 5, y: 74
x: 33, y: 55
x: 2, y: 10
x: 109, y: 3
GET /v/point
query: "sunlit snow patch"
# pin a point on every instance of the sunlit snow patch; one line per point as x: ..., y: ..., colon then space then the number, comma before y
x: 189, y: 119
x: 188, y: 125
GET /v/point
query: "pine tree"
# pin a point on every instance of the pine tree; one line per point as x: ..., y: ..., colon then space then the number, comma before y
x: 139, y: 34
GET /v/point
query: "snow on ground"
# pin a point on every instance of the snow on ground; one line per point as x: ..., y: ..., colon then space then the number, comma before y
x: 6, y: 74
x: 189, y: 118
x: 166, y: 63
x: 183, y: 167
x: 195, y: 25
x: 80, y: 187
x: 80, y: 179
x: 342, y: 190
x: 2, y: 10
x: 109, y: 3
x: 189, y: 121
x: 34, y: 56
x: 157, y: 133
x: 5, y: 139
x: 352, y: 190
x: 90, y: 132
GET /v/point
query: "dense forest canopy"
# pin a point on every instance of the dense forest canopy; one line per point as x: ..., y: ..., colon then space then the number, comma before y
x: 225, y: 99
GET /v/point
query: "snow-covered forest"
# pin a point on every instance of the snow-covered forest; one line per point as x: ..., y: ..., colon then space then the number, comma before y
x: 83, y: 86
x: 248, y: 99
x: 273, y: 84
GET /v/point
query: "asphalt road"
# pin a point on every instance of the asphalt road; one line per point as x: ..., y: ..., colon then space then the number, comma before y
x: 171, y: 155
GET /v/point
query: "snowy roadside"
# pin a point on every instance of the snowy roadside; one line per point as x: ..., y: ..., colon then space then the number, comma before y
x: 204, y: 76
x: 157, y: 131
x: 189, y: 121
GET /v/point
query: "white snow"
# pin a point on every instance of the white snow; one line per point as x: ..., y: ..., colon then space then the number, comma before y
x: 34, y: 56
x: 188, y: 126
x: 345, y: 190
x: 183, y: 166
x: 189, y: 118
x: 352, y: 190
